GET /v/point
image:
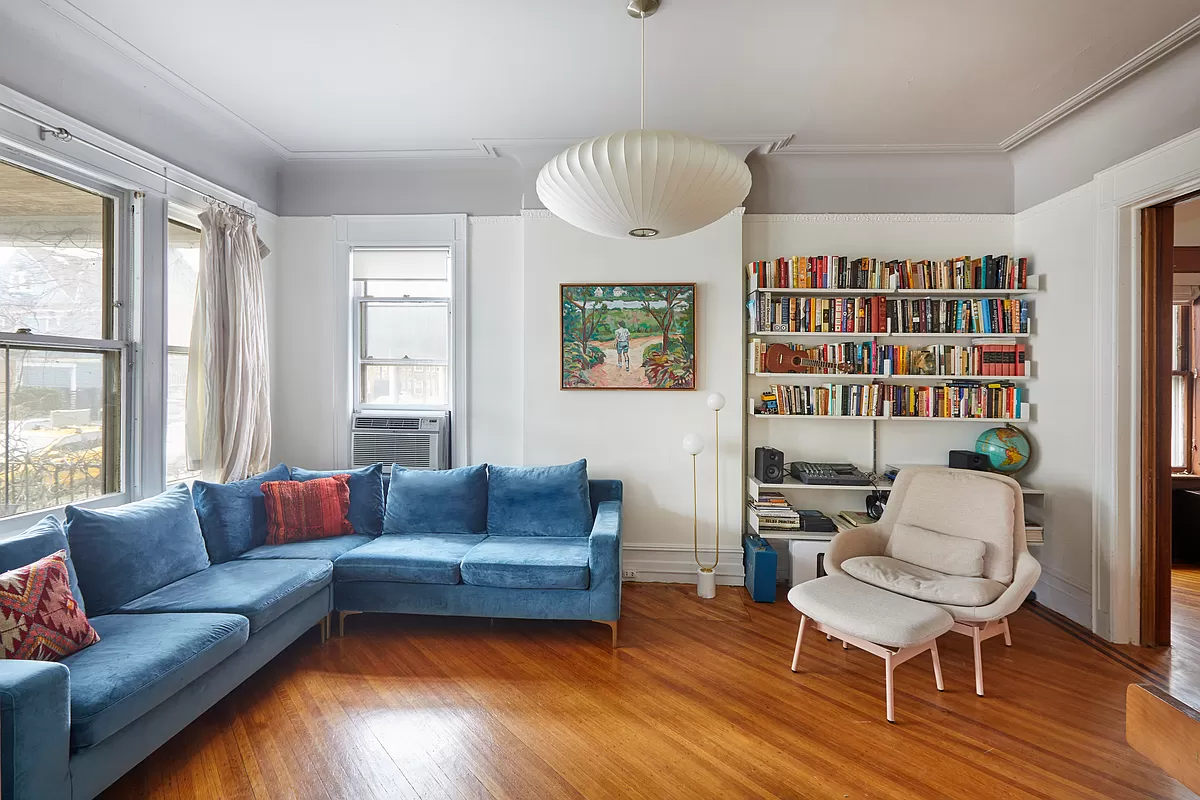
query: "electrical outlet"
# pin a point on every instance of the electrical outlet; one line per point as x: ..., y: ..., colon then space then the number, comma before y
x: 629, y: 573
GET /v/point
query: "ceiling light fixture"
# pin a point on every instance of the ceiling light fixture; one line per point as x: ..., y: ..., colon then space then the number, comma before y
x: 643, y: 183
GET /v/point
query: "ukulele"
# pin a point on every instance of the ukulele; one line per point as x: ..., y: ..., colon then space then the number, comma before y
x: 781, y: 358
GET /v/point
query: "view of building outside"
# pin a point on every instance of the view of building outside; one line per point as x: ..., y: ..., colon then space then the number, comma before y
x: 183, y: 267
x: 52, y: 282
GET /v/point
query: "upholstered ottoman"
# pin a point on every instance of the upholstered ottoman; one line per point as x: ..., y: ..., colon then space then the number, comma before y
x: 888, y: 625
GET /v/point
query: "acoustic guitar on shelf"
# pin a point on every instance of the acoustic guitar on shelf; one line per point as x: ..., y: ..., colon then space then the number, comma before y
x: 783, y: 359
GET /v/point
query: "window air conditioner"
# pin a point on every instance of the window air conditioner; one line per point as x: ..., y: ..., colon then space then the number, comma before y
x: 412, y: 440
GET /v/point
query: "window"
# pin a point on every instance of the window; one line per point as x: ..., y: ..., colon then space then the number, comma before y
x: 1183, y: 392
x: 62, y: 343
x: 183, y: 267
x: 402, y: 328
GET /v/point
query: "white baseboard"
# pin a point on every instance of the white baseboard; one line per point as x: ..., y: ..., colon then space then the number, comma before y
x: 1064, y: 595
x: 676, y: 563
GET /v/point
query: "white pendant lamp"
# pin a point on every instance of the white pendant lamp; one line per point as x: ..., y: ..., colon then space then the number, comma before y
x: 643, y: 183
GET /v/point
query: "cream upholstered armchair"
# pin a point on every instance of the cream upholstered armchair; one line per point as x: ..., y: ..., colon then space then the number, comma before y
x: 954, y: 538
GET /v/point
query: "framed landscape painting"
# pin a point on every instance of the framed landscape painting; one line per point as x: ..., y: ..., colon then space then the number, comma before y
x: 628, y: 335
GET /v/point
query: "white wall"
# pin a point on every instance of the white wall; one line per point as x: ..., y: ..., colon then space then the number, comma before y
x: 636, y: 435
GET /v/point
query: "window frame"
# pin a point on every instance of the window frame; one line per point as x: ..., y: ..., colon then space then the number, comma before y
x: 189, y: 218
x: 119, y: 332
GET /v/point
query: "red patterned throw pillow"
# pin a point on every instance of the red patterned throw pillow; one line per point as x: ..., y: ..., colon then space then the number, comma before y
x: 301, y: 510
x: 39, y: 618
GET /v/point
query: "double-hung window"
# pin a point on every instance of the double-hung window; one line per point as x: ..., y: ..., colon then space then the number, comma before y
x: 402, y: 327
x: 63, y: 342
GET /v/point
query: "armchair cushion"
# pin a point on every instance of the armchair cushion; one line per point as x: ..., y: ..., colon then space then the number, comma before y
x: 953, y: 555
x: 920, y: 583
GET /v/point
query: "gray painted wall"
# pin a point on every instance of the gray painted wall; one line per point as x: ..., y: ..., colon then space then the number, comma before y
x: 75, y: 75
x: 787, y: 183
x: 1153, y: 107
x: 476, y: 186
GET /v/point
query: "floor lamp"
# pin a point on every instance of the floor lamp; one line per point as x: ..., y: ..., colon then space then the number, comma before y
x: 706, y: 576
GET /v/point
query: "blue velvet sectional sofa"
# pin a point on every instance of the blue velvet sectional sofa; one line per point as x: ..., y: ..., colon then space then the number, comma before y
x: 189, y: 601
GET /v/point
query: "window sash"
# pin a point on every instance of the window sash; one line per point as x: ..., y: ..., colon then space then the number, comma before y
x: 362, y: 360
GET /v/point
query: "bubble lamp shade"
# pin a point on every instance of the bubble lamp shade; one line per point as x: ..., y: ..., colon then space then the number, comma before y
x: 643, y: 183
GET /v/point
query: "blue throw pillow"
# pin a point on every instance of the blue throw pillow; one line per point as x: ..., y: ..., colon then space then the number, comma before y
x: 233, y: 516
x: 539, y: 501
x: 41, y: 540
x: 437, y: 501
x: 125, y: 552
x: 366, y: 495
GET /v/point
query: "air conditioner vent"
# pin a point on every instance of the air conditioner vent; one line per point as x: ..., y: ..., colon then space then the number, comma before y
x: 387, y: 423
x: 414, y: 441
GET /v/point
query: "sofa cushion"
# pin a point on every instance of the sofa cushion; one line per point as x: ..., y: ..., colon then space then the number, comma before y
x: 328, y: 548
x: 953, y: 555
x: 965, y: 503
x: 39, y: 541
x: 366, y: 495
x: 232, y: 516
x: 524, y: 562
x: 539, y: 501
x: 261, y: 591
x: 437, y: 501
x: 300, y: 511
x: 920, y: 583
x: 39, y: 618
x: 125, y: 552
x: 140, y: 661
x: 412, y: 558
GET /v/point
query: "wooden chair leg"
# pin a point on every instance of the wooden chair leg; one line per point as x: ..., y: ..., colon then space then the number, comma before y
x: 977, y: 641
x: 799, y: 639
x: 937, y: 666
x: 888, y: 666
x: 1007, y: 634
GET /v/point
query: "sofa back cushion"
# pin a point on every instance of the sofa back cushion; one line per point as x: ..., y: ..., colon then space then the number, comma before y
x: 299, y: 511
x: 965, y: 503
x: 39, y: 541
x: 233, y: 517
x: 952, y: 555
x: 125, y: 552
x: 437, y: 501
x: 39, y: 618
x: 366, y: 495
x: 539, y: 501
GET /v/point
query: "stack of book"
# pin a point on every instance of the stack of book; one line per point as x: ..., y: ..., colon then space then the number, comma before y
x: 774, y: 512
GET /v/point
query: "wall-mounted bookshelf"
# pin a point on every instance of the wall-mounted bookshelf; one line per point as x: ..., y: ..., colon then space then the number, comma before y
x: 959, y: 323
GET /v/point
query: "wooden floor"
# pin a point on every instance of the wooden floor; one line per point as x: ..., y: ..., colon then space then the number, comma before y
x: 698, y: 702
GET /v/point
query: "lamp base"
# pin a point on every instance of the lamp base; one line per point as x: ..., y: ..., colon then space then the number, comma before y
x: 706, y: 583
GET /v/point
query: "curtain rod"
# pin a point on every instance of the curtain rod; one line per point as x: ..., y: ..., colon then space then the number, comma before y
x: 64, y: 135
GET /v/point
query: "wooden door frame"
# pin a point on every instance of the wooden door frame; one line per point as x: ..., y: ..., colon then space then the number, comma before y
x: 1158, y: 249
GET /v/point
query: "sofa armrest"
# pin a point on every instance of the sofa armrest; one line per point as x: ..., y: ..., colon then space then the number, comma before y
x: 35, y: 730
x: 869, y: 540
x: 604, y: 561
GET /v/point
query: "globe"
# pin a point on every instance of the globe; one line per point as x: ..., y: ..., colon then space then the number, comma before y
x: 1007, y: 449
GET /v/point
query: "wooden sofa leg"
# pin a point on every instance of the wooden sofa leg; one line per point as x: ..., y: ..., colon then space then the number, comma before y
x: 323, y: 626
x: 342, y: 621
x: 612, y: 624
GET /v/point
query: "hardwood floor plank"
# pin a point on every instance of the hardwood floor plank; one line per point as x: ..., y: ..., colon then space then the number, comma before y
x: 699, y: 701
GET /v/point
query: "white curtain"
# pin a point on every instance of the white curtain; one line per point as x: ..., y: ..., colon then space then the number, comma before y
x: 228, y: 388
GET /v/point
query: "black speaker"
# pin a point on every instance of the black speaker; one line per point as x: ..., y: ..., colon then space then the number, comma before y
x: 768, y: 464
x: 968, y: 459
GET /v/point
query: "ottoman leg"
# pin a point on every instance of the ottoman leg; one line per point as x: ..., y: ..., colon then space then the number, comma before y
x: 888, y: 666
x: 799, y: 639
x: 977, y: 641
x: 937, y: 666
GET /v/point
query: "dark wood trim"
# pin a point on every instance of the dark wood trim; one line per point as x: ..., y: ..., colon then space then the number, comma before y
x: 1187, y: 259
x: 1155, y: 506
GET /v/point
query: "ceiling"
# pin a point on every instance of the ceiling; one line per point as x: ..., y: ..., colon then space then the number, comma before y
x: 317, y: 79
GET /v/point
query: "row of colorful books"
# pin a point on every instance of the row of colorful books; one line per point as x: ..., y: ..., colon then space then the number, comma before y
x: 841, y: 272
x: 880, y: 314
x: 986, y: 357
x: 952, y: 400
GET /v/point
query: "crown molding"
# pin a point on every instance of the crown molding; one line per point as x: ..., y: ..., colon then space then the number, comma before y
x: 1160, y: 49
x: 799, y: 148
x: 536, y: 213
x: 880, y: 219
x: 494, y: 219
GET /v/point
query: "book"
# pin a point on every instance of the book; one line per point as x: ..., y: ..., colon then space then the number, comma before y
x: 857, y: 518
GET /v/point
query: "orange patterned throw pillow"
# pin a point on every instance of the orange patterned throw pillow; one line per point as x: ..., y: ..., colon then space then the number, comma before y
x: 39, y: 618
x: 301, y: 510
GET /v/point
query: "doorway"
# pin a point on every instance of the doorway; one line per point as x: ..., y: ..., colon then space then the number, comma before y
x: 1170, y: 426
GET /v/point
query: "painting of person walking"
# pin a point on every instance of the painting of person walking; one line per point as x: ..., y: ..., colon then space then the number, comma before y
x: 629, y: 336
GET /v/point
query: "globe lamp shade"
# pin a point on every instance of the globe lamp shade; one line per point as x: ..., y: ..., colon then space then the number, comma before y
x: 693, y: 444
